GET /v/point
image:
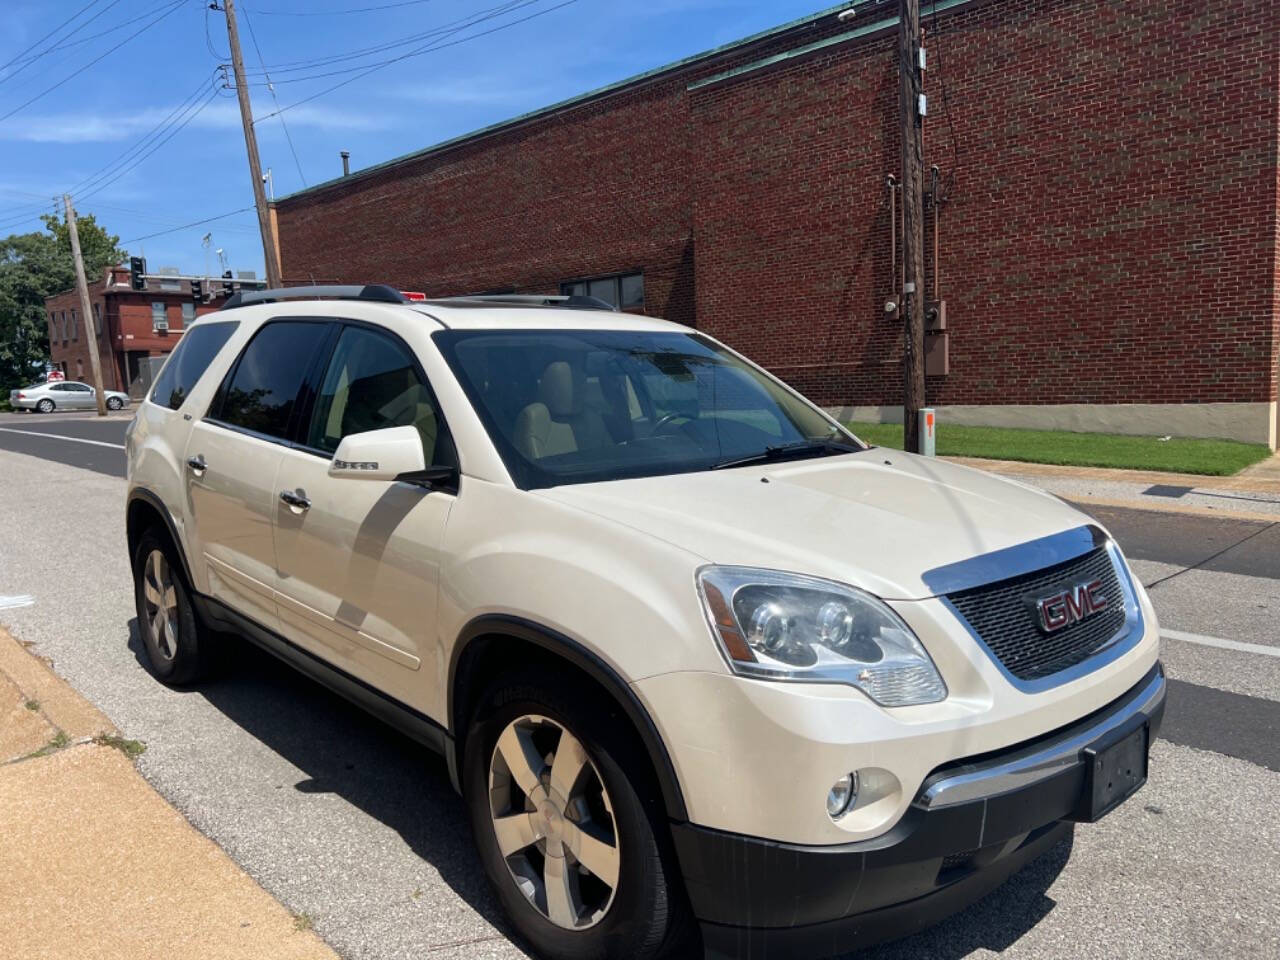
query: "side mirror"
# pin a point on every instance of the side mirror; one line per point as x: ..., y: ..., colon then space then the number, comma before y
x: 378, y: 454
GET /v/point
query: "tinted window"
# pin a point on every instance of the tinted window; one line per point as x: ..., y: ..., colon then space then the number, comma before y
x: 590, y: 405
x: 76, y: 387
x: 264, y: 384
x: 188, y: 362
x: 371, y: 383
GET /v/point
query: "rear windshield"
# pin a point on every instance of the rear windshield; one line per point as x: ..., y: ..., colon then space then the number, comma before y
x: 582, y: 406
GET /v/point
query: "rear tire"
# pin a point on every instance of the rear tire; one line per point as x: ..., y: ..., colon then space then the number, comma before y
x: 619, y: 900
x: 45, y: 406
x: 114, y: 403
x: 170, y: 629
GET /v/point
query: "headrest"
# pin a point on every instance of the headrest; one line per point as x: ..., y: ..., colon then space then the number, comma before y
x: 561, y: 389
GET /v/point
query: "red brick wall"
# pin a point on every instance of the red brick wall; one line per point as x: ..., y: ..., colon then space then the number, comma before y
x: 1110, y: 236
x: 1110, y: 233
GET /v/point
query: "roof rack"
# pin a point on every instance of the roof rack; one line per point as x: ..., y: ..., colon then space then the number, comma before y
x: 375, y: 292
x: 576, y: 301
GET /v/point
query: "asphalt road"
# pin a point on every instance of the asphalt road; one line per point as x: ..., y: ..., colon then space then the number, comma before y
x: 346, y: 821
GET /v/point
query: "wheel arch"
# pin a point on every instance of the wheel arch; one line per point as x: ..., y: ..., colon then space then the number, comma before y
x: 144, y: 511
x: 490, y: 645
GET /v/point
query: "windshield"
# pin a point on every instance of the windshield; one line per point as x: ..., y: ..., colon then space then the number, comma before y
x: 586, y: 405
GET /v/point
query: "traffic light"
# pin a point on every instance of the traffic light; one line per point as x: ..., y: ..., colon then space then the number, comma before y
x: 137, y: 267
x: 227, y: 287
x: 197, y: 291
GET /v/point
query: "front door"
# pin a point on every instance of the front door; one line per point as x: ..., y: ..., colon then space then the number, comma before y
x: 359, y: 564
x: 233, y: 456
x: 78, y: 396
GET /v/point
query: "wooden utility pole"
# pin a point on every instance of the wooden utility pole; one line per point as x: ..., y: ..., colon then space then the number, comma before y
x: 86, y: 310
x: 251, y: 145
x: 913, y: 304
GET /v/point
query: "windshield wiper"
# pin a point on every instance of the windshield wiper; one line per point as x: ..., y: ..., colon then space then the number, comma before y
x: 792, y: 451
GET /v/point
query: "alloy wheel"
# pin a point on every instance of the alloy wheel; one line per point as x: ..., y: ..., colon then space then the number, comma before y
x: 554, y: 822
x: 161, y: 601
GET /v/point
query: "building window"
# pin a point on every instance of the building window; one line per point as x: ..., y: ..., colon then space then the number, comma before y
x: 158, y: 319
x: 63, y: 316
x: 188, y: 314
x: 53, y: 329
x: 97, y: 319
x: 75, y: 329
x: 623, y: 291
x: 79, y: 369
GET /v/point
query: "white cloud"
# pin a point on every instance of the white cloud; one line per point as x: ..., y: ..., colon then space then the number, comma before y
x: 114, y: 124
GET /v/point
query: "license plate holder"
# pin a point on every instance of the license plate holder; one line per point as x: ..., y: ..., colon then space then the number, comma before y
x: 1115, y: 769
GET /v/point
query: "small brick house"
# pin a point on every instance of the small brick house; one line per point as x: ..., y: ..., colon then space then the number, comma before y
x: 1108, y: 243
x: 129, y: 327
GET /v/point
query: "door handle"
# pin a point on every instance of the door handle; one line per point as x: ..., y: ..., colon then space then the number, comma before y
x: 296, y: 499
x: 197, y: 465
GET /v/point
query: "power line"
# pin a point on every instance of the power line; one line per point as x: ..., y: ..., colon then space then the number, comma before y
x: 289, y: 137
x: 186, y: 226
x: 116, y: 175
x: 101, y: 33
x: 297, y: 66
x: 35, y: 58
x: 186, y: 104
x: 336, y: 13
x: 176, y: 4
x: 5, y: 66
x: 415, y: 53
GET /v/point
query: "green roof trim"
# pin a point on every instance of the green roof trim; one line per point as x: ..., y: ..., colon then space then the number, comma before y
x: 875, y: 27
x: 584, y: 97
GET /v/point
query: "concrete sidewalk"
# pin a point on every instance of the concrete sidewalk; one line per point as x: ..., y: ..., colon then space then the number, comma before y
x: 1252, y: 494
x: 94, y: 863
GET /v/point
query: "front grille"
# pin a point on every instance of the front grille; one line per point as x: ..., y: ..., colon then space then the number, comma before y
x: 1003, y: 615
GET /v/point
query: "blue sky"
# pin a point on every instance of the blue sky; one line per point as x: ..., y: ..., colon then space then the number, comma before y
x: 89, y: 135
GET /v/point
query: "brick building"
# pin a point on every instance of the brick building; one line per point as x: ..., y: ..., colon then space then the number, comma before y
x: 1109, y: 252
x: 129, y: 326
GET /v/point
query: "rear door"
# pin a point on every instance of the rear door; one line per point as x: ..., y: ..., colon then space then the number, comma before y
x: 359, y: 565
x: 232, y: 458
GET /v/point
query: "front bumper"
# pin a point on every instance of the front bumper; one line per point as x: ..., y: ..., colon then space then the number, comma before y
x: 971, y: 825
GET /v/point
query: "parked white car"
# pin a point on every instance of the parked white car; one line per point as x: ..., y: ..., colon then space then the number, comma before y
x: 64, y: 395
x: 692, y: 651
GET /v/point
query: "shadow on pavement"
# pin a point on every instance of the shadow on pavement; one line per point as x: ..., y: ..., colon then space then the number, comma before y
x: 344, y: 751
x: 405, y: 786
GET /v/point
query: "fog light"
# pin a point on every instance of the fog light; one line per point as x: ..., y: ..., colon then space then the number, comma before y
x: 842, y: 794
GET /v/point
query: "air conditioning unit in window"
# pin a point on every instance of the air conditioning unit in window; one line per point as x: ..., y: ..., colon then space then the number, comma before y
x: 161, y: 326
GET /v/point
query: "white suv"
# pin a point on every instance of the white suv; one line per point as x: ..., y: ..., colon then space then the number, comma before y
x: 702, y: 663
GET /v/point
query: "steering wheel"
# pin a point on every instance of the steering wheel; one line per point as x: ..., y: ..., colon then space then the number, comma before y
x: 669, y: 418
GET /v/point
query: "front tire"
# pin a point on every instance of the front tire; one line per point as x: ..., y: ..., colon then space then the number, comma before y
x: 565, y: 839
x: 45, y: 406
x: 167, y: 622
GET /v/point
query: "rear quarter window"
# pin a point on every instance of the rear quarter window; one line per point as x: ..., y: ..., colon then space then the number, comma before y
x: 199, y: 345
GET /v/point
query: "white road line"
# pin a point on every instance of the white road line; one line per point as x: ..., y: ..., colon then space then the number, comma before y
x: 1220, y: 643
x: 12, y: 603
x: 58, y: 436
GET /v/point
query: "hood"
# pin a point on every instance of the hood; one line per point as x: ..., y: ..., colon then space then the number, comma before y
x: 878, y: 520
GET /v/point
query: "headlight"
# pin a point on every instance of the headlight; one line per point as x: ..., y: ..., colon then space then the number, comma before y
x: 783, y: 626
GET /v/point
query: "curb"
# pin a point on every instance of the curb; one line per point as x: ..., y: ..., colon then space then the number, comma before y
x: 95, y: 861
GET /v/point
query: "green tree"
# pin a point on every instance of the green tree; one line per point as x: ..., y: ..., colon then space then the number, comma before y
x: 34, y: 266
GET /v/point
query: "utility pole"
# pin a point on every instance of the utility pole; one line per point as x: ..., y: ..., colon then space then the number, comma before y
x: 251, y: 145
x: 86, y: 310
x: 913, y: 302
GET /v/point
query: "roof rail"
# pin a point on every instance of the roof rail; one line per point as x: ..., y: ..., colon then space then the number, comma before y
x: 576, y: 301
x: 375, y: 292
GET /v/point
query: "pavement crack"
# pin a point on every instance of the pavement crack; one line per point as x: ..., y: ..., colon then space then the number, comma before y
x: 1214, y: 556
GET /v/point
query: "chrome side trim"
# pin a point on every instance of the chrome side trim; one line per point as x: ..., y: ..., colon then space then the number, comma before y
x: 1042, y: 761
x: 1014, y: 561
